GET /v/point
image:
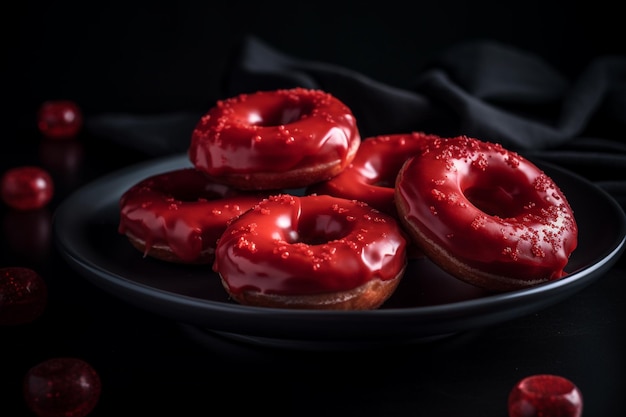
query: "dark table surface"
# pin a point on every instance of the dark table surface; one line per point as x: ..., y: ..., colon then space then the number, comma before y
x: 150, y: 363
x: 166, y: 56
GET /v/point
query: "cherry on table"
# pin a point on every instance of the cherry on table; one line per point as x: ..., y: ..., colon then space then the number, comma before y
x: 26, y: 187
x: 545, y: 395
x: 59, y: 119
x: 62, y: 387
x: 23, y: 295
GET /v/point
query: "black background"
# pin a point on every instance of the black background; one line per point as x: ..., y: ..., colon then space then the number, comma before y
x: 145, y: 57
x: 152, y: 57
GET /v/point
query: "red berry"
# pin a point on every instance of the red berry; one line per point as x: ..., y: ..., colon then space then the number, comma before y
x: 23, y: 295
x: 27, y: 187
x: 62, y: 387
x: 545, y: 395
x: 60, y: 119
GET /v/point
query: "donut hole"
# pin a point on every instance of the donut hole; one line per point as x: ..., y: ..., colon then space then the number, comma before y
x: 385, y: 183
x: 188, y: 185
x: 319, y: 230
x: 386, y: 179
x: 497, y: 195
x: 494, y: 201
x: 380, y: 173
x: 192, y: 193
x: 281, y: 115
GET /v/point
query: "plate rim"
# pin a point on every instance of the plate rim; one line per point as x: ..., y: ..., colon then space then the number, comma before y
x: 410, y: 316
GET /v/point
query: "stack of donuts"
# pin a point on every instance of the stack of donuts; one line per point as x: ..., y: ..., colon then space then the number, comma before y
x: 292, y: 208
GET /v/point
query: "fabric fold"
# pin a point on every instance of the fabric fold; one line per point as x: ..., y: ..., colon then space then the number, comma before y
x: 482, y: 89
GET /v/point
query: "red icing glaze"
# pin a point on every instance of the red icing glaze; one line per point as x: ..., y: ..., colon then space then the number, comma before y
x: 545, y: 395
x: 372, y: 174
x: 294, y: 245
x: 489, y: 208
x: 183, y: 210
x: 27, y: 187
x: 59, y: 119
x: 273, y: 131
x: 62, y: 387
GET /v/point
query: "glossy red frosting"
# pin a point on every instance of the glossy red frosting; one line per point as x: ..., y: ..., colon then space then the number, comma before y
x: 293, y: 245
x: 372, y: 174
x: 26, y: 187
x: 272, y: 131
x: 489, y: 208
x: 181, y: 209
x: 62, y: 386
x: 545, y: 395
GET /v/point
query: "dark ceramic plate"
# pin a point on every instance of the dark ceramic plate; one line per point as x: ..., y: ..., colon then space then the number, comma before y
x: 428, y: 304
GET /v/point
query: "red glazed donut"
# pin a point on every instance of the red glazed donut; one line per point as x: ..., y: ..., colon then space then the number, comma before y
x: 485, y: 214
x: 311, y: 252
x: 275, y: 139
x: 178, y: 216
x: 371, y: 176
